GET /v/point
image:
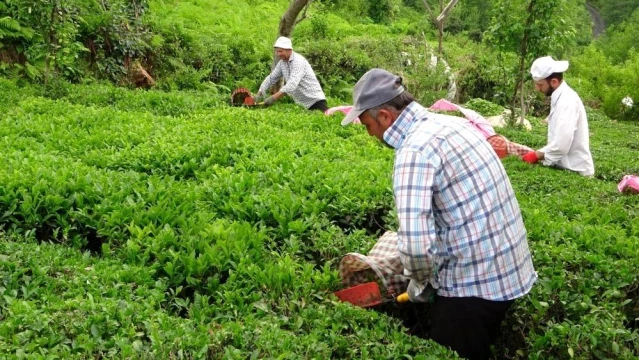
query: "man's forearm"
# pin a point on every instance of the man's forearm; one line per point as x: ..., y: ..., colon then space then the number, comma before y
x: 278, y: 95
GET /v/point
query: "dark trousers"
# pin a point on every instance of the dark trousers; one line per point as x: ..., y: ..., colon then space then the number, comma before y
x: 467, y: 325
x: 320, y: 105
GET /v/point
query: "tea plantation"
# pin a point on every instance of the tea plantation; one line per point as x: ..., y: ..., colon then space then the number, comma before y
x: 143, y: 224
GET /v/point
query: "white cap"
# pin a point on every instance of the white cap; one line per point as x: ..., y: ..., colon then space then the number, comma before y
x: 546, y: 66
x: 283, y: 43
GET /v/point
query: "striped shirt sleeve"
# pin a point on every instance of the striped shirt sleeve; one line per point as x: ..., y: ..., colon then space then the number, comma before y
x: 272, y: 78
x: 414, y: 178
x: 296, y: 73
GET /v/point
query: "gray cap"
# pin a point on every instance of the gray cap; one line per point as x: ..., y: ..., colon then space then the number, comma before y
x: 374, y: 88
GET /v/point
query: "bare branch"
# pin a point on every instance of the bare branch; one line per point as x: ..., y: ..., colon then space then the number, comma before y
x: 303, y: 14
x: 447, y: 10
x: 430, y: 11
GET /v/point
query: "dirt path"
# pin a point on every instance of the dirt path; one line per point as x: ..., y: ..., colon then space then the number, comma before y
x: 599, y: 25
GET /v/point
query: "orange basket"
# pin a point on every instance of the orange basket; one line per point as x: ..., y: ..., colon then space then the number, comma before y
x: 242, y: 96
x: 364, y: 295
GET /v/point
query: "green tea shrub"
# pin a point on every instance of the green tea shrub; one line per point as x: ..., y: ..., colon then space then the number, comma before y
x: 602, y: 84
x: 487, y: 75
x: 216, y: 240
x: 337, y: 66
x: 383, y: 11
x: 484, y: 107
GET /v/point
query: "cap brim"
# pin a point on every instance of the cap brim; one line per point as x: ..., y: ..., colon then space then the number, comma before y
x: 352, y: 115
x: 560, y: 66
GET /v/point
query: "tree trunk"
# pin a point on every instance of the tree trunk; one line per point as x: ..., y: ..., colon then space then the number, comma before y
x: 287, y: 25
x: 441, y: 29
x: 522, y: 59
x: 289, y: 19
x: 522, y: 120
x: 51, y: 44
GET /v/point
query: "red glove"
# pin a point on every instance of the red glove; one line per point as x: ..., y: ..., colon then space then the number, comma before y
x: 531, y: 157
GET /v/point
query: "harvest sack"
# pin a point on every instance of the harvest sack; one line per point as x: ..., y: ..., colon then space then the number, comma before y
x: 630, y: 184
x: 500, y: 144
x: 382, y: 264
x: 345, y: 109
x: 479, y: 122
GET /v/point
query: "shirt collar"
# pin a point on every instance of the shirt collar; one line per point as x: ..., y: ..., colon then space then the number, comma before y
x: 557, y: 93
x: 396, y: 133
x: 292, y: 57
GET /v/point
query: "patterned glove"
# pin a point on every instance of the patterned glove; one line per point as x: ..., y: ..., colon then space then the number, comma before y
x: 418, y: 292
x: 269, y: 101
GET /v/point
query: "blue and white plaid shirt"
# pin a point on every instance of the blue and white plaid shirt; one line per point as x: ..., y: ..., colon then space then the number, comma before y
x: 460, y: 224
x: 301, y: 83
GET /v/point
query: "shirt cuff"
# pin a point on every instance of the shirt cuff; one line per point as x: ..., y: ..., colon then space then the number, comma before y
x: 286, y: 90
x: 419, y: 275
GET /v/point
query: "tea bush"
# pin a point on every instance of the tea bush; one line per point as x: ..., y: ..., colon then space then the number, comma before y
x: 217, y: 232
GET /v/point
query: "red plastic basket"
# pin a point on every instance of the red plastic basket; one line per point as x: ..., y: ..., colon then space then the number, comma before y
x: 364, y: 295
x: 242, y: 96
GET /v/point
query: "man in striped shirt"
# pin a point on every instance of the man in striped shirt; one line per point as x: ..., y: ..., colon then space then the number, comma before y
x: 301, y: 82
x: 460, y: 226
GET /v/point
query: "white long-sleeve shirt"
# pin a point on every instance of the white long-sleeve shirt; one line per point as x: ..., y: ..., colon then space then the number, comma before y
x: 301, y: 82
x: 568, y: 144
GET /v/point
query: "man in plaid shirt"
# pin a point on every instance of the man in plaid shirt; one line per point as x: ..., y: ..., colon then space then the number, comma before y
x: 301, y: 82
x: 460, y: 226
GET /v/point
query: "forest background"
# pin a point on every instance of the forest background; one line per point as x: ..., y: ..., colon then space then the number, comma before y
x: 222, y: 45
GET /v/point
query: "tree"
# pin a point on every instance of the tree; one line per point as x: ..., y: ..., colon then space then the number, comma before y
x: 288, y: 22
x: 290, y: 17
x: 444, y: 12
x: 47, y: 46
x: 529, y: 28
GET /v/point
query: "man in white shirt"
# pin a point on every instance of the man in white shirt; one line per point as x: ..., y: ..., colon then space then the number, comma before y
x: 568, y: 144
x: 301, y: 82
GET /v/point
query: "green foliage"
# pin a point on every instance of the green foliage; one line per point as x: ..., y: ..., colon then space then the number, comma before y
x: 472, y: 17
x: 54, y: 36
x: 530, y: 34
x: 218, y: 241
x: 382, y: 11
x: 53, y: 49
x: 578, y: 16
x: 215, y: 46
x: 230, y: 228
x: 484, y: 74
x: 486, y: 108
x: 208, y: 45
x: 604, y: 84
x: 57, y: 302
x: 336, y: 67
x: 11, y: 29
x: 620, y: 40
x: 615, y: 12
x: 115, y: 36
x: 357, y: 8
x: 339, y: 66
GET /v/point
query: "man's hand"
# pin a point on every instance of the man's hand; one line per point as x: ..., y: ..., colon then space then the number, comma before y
x: 259, y: 96
x: 531, y: 157
x: 418, y: 292
x: 269, y: 101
